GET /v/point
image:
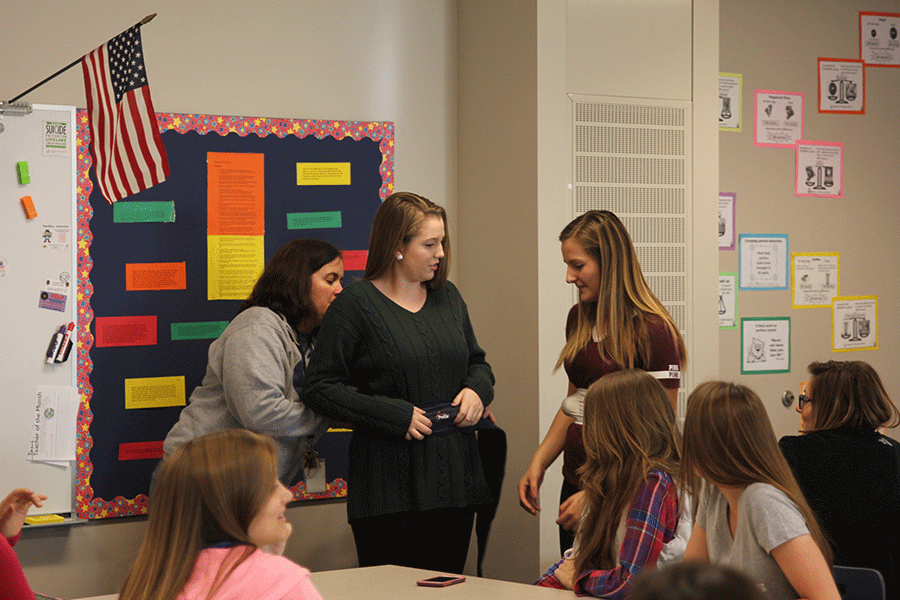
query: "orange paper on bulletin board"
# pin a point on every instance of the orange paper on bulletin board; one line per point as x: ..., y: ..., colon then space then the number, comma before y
x: 236, y: 193
x: 155, y: 276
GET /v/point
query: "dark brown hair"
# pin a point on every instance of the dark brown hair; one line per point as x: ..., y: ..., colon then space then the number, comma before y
x: 398, y: 220
x: 284, y: 284
x: 849, y: 394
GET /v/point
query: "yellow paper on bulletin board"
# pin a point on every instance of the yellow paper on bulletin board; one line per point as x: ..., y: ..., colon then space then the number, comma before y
x: 235, y: 262
x: 154, y: 392
x: 323, y: 173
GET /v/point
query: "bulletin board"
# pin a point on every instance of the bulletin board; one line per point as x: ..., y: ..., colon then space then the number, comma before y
x: 37, y: 280
x: 320, y: 179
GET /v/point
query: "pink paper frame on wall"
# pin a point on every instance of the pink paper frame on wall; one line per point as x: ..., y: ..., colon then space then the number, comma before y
x: 778, y: 118
x: 819, y: 169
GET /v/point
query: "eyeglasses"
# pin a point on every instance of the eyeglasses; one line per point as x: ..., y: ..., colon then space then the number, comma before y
x: 803, y: 400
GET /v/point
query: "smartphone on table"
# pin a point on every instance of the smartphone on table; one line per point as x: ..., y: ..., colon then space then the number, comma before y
x: 441, y: 580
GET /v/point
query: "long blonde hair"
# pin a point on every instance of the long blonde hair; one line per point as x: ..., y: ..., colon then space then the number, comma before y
x: 626, y: 300
x: 629, y: 429
x: 729, y: 441
x: 206, y: 492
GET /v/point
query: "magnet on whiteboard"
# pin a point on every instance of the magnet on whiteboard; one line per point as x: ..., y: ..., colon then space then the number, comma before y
x: 24, y: 174
x: 28, y: 205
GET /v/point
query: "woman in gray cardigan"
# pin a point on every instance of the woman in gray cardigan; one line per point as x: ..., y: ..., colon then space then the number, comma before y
x: 256, y: 366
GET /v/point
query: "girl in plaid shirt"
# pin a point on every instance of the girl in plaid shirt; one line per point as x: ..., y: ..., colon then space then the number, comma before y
x: 632, y: 508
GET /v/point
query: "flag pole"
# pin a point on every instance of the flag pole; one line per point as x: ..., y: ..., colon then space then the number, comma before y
x: 143, y: 21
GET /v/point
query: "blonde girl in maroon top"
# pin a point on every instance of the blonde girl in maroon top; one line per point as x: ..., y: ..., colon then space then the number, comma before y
x: 618, y: 323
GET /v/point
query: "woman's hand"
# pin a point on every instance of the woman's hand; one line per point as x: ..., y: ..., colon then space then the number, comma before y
x: 529, y: 486
x: 570, y: 511
x: 470, y: 407
x: 14, y: 509
x: 419, y: 425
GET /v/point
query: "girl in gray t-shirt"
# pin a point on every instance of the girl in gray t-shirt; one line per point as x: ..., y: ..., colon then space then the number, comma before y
x: 752, y: 514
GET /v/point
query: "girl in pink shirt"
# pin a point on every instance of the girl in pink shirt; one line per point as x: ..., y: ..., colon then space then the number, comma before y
x: 217, y: 526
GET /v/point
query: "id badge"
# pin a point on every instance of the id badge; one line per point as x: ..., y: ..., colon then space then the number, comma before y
x: 316, y: 481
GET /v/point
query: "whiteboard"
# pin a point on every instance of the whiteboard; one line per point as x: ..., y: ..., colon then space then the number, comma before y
x: 31, y: 265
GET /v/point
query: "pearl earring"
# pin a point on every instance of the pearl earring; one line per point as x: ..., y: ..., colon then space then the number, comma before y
x: 399, y: 256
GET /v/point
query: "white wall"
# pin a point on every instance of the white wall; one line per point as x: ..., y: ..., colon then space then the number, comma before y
x: 367, y: 60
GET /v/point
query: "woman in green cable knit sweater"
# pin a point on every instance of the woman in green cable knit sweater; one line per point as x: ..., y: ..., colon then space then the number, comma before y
x: 395, y: 349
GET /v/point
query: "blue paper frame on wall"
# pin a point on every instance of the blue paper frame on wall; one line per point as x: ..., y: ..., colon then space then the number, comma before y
x: 105, y: 485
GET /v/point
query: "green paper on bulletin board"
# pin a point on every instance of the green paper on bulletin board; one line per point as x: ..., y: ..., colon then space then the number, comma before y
x: 144, y: 212
x: 202, y: 330
x: 314, y: 220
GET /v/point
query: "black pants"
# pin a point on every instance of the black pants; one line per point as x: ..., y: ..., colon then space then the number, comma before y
x: 566, y: 537
x: 436, y: 540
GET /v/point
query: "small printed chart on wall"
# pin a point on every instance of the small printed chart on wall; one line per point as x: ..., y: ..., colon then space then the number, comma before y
x: 170, y: 266
x: 766, y: 345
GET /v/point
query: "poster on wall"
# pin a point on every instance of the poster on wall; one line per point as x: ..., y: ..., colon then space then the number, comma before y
x: 879, y: 45
x: 727, y: 212
x: 727, y: 300
x: 778, y: 118
x: 842, y: 86
x: 820, y: 169
x: 854, y: 323
x: 815, y: 279
x: 730, y: 93
x: 766, y: 345
x: 763, y: 261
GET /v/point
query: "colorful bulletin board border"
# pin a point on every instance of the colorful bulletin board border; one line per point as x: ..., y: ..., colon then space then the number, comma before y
x: 86, y: 504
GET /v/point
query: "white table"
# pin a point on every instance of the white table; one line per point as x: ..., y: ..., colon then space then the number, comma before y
x: 399, y: 583
x: 373, y: 583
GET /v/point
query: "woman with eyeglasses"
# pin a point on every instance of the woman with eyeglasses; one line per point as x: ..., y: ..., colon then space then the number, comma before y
x: 848, y: 471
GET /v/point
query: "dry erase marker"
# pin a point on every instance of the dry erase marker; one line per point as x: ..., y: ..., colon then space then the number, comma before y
x: 55, y: 343
x: 67, y: 339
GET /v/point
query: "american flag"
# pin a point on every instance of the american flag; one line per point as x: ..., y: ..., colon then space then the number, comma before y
x: 125, y: 142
